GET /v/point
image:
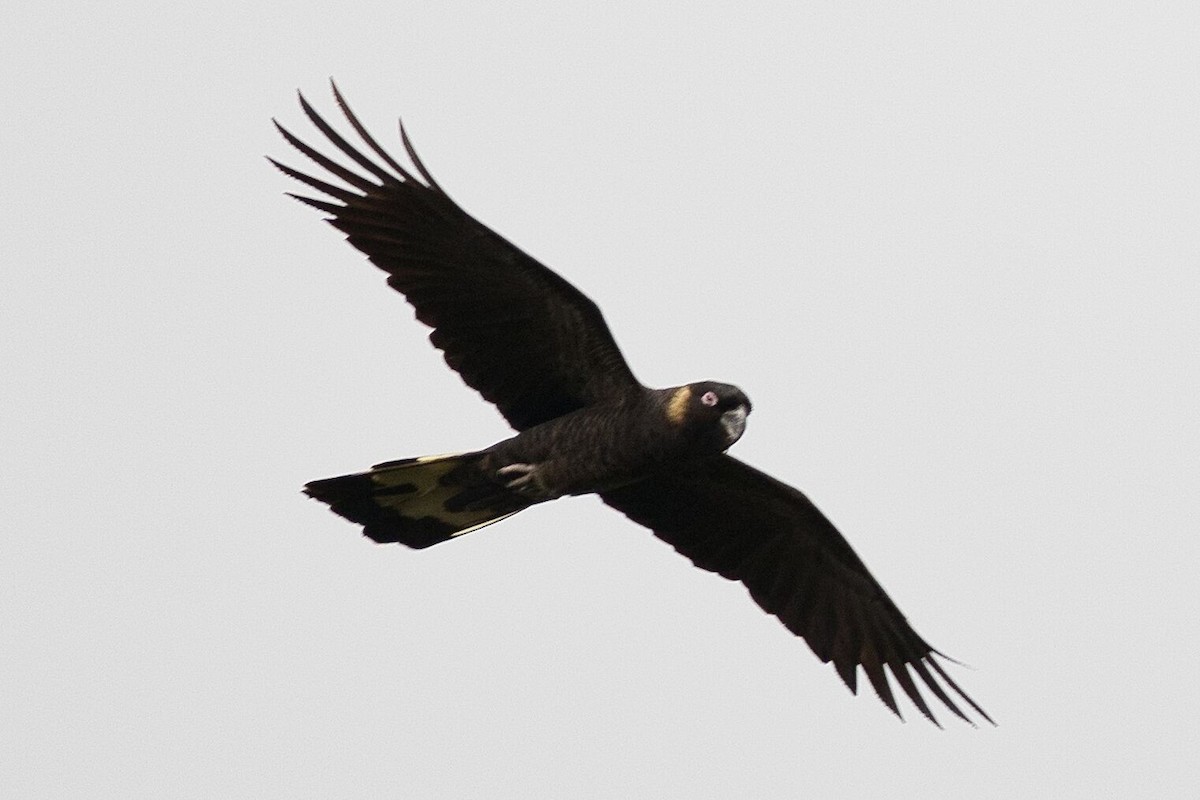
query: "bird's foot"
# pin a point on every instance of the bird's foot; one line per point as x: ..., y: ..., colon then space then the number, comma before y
x: 524, y: 479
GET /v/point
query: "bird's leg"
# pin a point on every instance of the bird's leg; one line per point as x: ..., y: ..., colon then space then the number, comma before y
x: 525, y: 479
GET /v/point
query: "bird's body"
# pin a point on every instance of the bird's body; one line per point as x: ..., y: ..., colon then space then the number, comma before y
x: 536, y: 347
x: 422, y: 501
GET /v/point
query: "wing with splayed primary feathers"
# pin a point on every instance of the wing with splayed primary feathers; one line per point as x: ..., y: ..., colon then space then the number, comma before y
x: 518, y: 333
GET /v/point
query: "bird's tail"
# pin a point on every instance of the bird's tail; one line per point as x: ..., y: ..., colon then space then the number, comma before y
x: 419, y: 501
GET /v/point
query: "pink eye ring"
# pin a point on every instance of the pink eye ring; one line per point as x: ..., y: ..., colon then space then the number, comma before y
x: 709, y: 398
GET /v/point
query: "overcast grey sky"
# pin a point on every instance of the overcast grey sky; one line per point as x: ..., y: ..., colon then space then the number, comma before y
x: 950, y: 251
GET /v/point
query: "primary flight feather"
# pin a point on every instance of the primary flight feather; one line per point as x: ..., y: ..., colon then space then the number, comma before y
x: 540, y: 350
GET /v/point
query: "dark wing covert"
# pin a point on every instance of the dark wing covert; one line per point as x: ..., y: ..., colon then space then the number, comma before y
x: 518, y: 333
x: 732, y: 519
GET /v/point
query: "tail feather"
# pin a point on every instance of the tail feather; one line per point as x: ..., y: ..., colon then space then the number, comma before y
x: 419, y: 502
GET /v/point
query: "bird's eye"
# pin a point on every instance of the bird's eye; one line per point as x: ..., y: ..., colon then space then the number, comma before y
x: 709, y: 398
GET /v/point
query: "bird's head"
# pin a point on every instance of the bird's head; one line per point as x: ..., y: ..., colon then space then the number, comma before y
x: 715, y: 411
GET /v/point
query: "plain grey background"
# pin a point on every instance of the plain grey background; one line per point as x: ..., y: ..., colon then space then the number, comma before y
x: 950, y: 251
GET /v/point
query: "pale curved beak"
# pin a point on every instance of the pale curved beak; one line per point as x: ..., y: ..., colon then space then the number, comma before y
x: 733, y: 422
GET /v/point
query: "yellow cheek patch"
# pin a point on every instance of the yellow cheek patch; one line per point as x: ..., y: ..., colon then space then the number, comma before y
x: 677, y: 406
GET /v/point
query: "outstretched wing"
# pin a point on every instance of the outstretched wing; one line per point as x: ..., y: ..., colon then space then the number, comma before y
x: 524, y: 338
x: 731, y: 519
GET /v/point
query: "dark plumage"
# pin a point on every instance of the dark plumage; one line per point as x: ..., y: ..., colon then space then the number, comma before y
x: 537, y: 348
